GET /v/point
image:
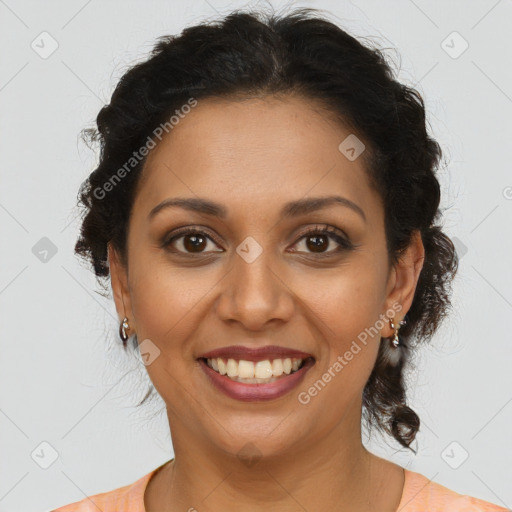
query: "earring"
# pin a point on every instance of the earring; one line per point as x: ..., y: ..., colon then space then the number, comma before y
x: 395, y: 342
x: 122, y: 330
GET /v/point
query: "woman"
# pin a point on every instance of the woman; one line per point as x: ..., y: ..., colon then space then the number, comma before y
x: 266, y: 207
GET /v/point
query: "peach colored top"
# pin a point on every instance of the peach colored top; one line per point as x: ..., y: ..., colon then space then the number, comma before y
x: 419, y: 495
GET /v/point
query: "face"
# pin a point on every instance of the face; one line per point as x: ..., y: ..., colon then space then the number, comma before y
x: 255, y: 278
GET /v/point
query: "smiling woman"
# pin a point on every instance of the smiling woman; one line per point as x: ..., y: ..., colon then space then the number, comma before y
x: 276, y: 257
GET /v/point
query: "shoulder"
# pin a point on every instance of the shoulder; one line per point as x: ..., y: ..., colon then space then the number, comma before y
x: 422, y: 494
x: 129, y: 498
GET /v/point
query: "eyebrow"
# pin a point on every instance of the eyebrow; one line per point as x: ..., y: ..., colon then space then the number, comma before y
x: 289, y: 210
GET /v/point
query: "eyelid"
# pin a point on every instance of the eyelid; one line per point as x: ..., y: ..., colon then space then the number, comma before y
x: 333, y: 230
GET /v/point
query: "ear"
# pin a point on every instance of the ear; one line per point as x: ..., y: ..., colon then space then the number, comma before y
x: 403, y: 279
x: 120, y: 288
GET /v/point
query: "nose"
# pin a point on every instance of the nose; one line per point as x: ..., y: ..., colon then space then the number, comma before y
x: 255, y: 293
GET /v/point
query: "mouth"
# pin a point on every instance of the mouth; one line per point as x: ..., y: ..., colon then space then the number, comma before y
x: 259, y: 372
x: 255, y: 374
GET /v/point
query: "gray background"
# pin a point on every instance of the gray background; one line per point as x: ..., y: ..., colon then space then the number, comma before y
x: 64, y: 380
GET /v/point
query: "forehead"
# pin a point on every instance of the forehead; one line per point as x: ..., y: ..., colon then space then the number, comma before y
x: 253, y: 152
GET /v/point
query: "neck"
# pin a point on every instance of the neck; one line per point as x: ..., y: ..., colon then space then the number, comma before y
x: 333, y: 470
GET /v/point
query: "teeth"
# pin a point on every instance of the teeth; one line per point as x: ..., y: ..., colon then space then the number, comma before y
x: 232, y: 368
x: 255, y: 372
x: 245, y: 370
x: 221, y: 364
x: 262, y: 370
x: 277, y: 367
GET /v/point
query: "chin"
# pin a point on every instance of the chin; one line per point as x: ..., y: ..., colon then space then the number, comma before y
x: 269, y: 439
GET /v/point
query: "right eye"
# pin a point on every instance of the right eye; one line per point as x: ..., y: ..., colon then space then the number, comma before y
x: 189, y: 241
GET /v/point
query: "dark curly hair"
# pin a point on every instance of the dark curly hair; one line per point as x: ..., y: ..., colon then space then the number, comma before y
x: 248, y: 54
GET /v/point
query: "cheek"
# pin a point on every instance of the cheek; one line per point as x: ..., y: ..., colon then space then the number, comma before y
x: 344, y: 306
x: 345, y: 301
x: 343, y: 312
x: 168, y: 307
x: 166, y: 302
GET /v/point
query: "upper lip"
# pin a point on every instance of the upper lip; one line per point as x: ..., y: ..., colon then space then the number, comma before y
x: 254, y: 354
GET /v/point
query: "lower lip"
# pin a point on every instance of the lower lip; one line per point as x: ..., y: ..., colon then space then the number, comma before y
x: 256, y: 392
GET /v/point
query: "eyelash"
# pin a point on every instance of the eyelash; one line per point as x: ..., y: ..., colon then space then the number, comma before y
x: 317, y: 230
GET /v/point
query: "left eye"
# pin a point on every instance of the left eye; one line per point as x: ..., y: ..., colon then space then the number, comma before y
x: 317, y: 240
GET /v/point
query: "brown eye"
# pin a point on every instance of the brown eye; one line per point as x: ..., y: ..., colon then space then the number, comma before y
x: 189, y: 241
x: 194, y: 243
x: 317, y: 243
x: 318, y: 240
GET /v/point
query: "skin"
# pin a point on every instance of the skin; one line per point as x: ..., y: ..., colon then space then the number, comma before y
x: 253, y: 156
